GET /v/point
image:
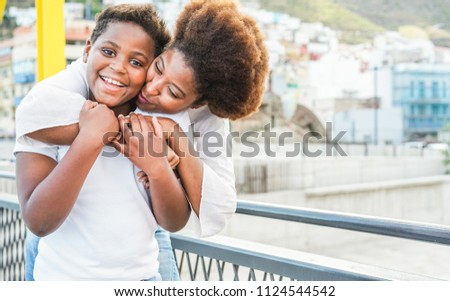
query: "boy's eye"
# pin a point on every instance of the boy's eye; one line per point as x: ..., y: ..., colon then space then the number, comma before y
x: 136, y: 63
x: 107, y: 51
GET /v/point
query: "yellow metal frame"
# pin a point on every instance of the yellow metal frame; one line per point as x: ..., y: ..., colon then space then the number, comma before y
x: 2, y: 9
x: 51, y: 39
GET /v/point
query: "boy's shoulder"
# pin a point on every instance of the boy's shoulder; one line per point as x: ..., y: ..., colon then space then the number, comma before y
x: 71, y: 79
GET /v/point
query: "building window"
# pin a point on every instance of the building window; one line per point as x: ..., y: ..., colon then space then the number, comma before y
x: 421, y: 110
x: 411, y: 89
x: 421, y: 89
x: 435, y: 89
x: 435, y: 110
x: 444, y: 89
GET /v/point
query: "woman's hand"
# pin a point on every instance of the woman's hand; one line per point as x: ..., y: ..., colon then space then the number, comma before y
x: 144, y: 145
x: 167, y: 126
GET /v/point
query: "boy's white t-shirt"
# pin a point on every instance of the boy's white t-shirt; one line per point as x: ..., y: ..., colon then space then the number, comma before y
x: 109, y: 233
x: 41, y: 110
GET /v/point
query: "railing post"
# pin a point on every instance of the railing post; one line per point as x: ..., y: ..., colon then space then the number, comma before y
x: 2, y: 9
x: 51, y: 38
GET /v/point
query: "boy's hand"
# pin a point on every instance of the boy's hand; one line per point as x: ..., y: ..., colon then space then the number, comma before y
x: 98, y: 122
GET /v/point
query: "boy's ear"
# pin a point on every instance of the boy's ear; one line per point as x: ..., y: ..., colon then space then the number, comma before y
x: 87, y: 49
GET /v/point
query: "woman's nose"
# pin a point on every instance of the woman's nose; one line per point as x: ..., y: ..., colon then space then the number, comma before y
x: 153, y: 87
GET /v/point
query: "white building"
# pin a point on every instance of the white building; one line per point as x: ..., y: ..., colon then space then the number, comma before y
x: 369, y: 125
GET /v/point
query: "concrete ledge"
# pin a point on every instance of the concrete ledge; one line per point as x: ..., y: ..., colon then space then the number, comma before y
x: 376, y: 186
x: 9, y: 201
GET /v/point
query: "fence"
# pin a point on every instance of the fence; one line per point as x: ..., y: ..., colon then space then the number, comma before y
x: 225, y: 258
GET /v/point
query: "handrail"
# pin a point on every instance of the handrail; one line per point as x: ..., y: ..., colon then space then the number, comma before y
x: 418, y: 231
x: 283, y: 262
x: 221, y: 250
x: 7, y: 175
x: 292, y: 264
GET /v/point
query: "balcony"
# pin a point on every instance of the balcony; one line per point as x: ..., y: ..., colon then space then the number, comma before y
x: 224, y: 258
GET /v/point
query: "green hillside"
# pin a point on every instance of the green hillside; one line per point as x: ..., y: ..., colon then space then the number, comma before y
x: 359, y: 20
x: 354, y: 28
x: 395, y: 13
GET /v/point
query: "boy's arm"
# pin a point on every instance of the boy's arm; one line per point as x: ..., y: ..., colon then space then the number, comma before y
x: 48, y: 189
x: 59, y: 135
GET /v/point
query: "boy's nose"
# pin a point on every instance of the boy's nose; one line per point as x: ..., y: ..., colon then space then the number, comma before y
x: 117, y: 66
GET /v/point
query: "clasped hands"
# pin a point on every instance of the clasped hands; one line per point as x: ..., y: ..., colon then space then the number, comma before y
x: 142, y: 139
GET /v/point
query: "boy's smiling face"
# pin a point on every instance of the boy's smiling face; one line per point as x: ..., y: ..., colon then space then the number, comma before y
x: 117, y: 63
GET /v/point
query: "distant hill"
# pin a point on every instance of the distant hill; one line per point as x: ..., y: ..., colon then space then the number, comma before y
x: 359, y: 20
x: 395, y: 13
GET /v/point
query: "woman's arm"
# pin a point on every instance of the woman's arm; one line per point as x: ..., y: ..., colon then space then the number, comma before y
x: 207, y: 175
x: 190, y: 167
x: 144, y: 145
x: 48, y: 190
x: 60, y: 135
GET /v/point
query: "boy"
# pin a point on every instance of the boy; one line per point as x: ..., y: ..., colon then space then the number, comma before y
x: 88, y: 217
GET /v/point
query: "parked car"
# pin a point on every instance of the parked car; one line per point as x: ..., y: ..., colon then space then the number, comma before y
x: 414, y: 144
x: 437, y: 146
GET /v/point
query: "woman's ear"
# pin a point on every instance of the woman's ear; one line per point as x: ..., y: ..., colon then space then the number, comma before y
x: 87, y: 49
x: 197, y: 105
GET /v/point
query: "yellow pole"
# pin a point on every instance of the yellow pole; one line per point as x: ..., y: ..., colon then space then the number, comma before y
x: 2, y: 9
x: 50, y: 37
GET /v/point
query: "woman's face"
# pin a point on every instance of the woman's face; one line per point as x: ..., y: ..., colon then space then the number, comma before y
x: 170, y: 85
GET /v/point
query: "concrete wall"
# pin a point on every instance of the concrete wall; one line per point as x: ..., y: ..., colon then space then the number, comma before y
x: 255, y: 175
x: 418, y: 199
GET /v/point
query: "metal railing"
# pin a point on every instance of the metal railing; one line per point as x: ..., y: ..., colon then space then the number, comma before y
x: 225, y: 258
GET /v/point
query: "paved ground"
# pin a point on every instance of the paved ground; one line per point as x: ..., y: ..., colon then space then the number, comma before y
x: 398, y: 254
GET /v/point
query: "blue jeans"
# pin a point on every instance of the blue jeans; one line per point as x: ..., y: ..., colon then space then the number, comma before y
x: 167, y: 264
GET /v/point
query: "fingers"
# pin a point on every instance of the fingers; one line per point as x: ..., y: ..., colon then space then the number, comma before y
x: 135, y: 123
x: 157, y: 127
x: 89, y: 104
x: 143, y: 178
x: 119, y: 146
x: 124, y: 128
x: 173, y: 159
x: 174, y: 162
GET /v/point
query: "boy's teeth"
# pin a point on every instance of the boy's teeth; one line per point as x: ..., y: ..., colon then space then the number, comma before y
x: 111, y: 81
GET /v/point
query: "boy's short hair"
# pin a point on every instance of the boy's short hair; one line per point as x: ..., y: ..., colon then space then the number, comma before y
x: 226, y: 51
x: 144, y: 15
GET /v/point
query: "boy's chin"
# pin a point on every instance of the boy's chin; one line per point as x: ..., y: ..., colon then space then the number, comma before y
x: 112, y: 102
